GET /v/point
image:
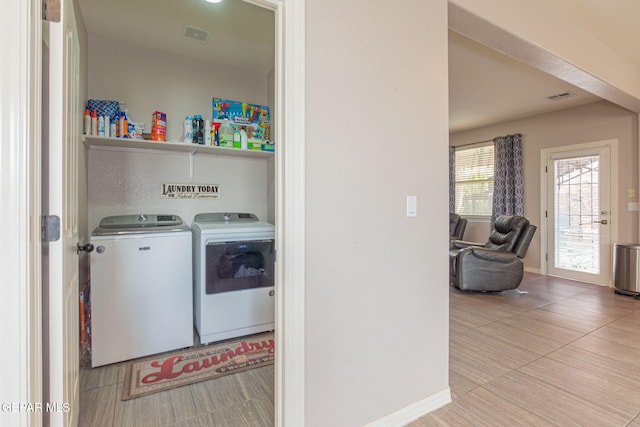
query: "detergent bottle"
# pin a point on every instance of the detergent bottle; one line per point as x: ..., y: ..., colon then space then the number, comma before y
x: 225, y: 134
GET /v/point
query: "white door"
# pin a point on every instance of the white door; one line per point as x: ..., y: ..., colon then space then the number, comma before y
x: 64, y: 140
x: 579, y: 218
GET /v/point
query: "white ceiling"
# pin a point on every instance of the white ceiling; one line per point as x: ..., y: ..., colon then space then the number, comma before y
x: 613, y: 23
x: 485, y: 87
x: 241, y: 34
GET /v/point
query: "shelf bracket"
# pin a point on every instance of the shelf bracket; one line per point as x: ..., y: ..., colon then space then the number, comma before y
x: 191, y: 153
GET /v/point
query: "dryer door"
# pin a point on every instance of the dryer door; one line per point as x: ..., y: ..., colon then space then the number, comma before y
x: 235, y: 266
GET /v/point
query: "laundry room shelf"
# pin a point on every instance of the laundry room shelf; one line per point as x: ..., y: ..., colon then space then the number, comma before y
x: 138, y: 144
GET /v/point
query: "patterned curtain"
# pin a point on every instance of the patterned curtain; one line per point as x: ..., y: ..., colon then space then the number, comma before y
x: 508, y: 186
x: 452, y: 179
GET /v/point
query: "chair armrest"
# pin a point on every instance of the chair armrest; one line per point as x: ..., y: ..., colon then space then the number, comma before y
x: 461, y: 244
x: 493, y: 256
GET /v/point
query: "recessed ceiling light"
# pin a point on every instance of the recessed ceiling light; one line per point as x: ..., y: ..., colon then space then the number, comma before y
x: 213, y: 1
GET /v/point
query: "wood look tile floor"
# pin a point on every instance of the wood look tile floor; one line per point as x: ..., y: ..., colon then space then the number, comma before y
x: 564, y: 354
x: 244, y: 399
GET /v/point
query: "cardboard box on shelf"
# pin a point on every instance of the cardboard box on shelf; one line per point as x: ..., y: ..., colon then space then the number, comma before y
x: 254, y: 119
x: 159, y: 126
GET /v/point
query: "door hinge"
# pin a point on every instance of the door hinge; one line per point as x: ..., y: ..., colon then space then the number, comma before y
x: 546, y: 257
x: 50, y: 228
x: 545, y: 214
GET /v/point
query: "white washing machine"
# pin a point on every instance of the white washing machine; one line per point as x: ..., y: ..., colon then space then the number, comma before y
x: 234, y: 263
x: 141, y: 287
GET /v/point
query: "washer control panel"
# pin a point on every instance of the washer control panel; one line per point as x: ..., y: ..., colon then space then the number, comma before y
x: 139, y: 224
x: 225, y: 217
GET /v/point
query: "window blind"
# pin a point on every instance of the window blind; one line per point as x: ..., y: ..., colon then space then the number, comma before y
x: 474, y: 179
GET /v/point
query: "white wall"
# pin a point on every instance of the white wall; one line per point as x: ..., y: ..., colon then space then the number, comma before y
x: 593, y: 122
x: 148, y: 80
x: 376, y: 282
x: 129, y: 183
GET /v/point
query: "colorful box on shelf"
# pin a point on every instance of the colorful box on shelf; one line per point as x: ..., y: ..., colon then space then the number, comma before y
x: 158, y: 126
x: 254, y: 119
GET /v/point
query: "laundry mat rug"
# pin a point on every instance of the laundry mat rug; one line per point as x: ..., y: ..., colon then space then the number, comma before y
x: 184, y: 367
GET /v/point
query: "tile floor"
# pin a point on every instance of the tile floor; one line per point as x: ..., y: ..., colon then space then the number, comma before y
x: 244, y: 399
x: 567, y: 353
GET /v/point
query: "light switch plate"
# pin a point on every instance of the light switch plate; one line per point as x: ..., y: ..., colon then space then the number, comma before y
x: 634, y: 206
x: 412, y: 206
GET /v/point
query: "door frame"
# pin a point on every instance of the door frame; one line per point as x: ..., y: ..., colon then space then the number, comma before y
x: 289, y: 131
x: 613, y: 168
x: 20, y: 161
x: 290, y: 214
x: 21, y: 302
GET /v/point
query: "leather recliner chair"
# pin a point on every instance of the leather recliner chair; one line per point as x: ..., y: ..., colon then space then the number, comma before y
x: 497, y: 265
x: 457, y: 225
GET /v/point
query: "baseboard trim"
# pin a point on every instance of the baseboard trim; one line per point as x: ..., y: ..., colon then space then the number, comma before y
x: 414, y: 411
x: 532, y: 270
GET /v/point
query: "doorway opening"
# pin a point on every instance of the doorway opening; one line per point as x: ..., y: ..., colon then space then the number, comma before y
x: 275, y: 168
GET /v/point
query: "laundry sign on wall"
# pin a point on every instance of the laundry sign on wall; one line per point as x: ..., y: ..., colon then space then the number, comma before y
x: 189, y: 191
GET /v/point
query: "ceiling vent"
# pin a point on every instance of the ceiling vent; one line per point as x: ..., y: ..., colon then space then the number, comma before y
x: 560, y: 96
x: 196, y: 34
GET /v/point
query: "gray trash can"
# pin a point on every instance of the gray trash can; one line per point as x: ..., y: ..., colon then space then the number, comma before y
x: 626, y: 268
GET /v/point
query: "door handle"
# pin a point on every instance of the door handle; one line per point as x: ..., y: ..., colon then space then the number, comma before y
x: 84, y: 248
x: 603, y: 222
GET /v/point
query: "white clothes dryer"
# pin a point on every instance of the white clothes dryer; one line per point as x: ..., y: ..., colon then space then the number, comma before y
x: 234, y: 263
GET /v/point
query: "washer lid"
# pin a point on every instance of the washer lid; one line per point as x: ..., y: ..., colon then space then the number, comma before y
x: 142, y: 223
